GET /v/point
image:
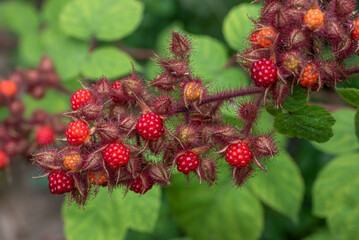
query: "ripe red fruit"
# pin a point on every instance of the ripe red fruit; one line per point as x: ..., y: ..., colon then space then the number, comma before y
x: 356, y: 29
x: 60, y: 182
x: 137, y: 186
x: 116, y: 155
x: 238, y: 155
x: 77, y: 133
x: 80, y: 99
x: 8, y: 88
x: 45, y: 136
x: 120, y: 94
x: 99, y: 178
x: 150, y: 126
x: 314, y: 18
x: 309, y: 76
x: 4, y: 159
x: 72, y: 161
x: 187, y: 162
x: 264, y: 73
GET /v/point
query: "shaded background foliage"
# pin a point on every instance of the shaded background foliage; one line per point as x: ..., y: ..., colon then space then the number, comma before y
x: 310, y: 191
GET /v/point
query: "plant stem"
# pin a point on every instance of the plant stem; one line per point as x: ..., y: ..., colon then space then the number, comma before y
x: 222, y: 96
x: 352, y: 70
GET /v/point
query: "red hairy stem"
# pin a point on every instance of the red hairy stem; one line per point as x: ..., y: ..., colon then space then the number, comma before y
x: 248, y: 127
x: 222, y: 96
x: 352, y: 70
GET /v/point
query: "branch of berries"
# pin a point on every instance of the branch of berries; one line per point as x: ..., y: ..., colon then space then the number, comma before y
x: 292, y: 41
x: 127, y: 134
x: 16, y: 130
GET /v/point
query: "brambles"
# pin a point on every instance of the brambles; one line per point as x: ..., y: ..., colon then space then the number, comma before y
x: 80, y: 99
x: 77, y: 133
x: 130, y: 136
x: 72, y: 161
x: 140, y: 185
x: 19, y: 134
x: 45, y: 136
x: 116, y: 155
x: 303, y: 32
x: 59, y: 182
x: 356, y: 29
x: 99, y: 178
x: 314, y: 18
x: 150, y: 126
x: 114, y: 138
x: 187, y: 162
x: 264, y: 37
x: 8, y: 88
x: 309, y: 76
x: 4, y: 159
x: 264, y: 73
x: 238, y: 154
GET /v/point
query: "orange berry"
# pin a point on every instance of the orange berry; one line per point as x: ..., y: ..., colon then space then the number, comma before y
x: 314, y: 18
x: 193, y: 91
x: 72, y: 161
x: 8, y: 88
x: 309, y: 76
x: 262, y: 37
x: 99, y: 177
x: 356, y: 29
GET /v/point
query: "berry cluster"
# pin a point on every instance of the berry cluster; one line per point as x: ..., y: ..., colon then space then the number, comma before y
x: 289, y: 40
x: 125, y: 134
x: 16, y: 130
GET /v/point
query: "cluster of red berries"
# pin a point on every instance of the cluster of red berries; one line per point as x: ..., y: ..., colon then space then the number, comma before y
x: 288, y: 42
x: 123, y: 135
x: 16, y: 130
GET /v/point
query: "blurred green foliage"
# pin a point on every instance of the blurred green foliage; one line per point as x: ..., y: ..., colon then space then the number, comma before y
x: 282, y: 204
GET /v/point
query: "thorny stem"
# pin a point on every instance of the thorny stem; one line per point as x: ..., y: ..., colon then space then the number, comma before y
x: 222, y: 96
x: 352, y: 70
x: 248, y: 127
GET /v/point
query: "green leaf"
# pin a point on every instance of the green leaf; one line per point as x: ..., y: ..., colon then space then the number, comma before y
x: 221, y: 210
x: 4, y: 113
x: 30, y: 50
x: 344, y: 139
x: 52, y: 102
x: 273, y: 111
x: 209, y: 57
x: 237, y: 24
x: 356, y: 122
x: 20, y: 17
x: 282, y: 188
x: 265, y: 125
x: 68, y: 54
x: 51, y: 12
x: 106, y: 20
x: 296, y: 101
x: 311, y: 122
x: 336, y: 195
x: 107, y: 61
x: 350, y: 95
x: 109, y: 216
x: 321, y: 234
